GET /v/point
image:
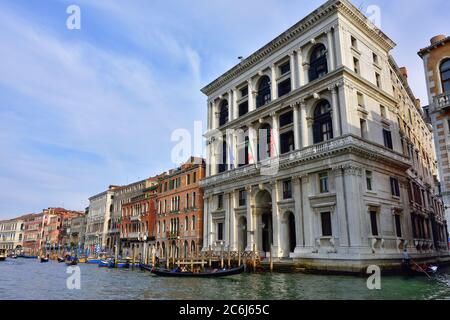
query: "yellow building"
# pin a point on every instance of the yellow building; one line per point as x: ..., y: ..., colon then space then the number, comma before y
x: 436, y: 59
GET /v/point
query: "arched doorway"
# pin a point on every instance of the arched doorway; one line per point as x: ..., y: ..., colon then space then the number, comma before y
x: 242, y: 234
x: 290, y: 238
x: 264, y: 215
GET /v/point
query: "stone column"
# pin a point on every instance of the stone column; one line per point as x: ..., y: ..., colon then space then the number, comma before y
x: 303, y: 125
x: 299, y: 68
x: 275, y: 218
x: 251, y: 97
x: 235, y: 104
x: 293, y: 71
x: 305, y: 71
x: 250, y: 220
x: 232, y: 221
x: 230, y: 105
x: 253, y: 140
x: 209, y: 115
x: 336, y: 111
x: 230, y: 150
x: 206, y: 218
x: 275, y: 134
x: 307, y: 216
x: 296, y: 112
x: 297, y: 194
x: 273, y: 81
x: 227, y: 208
x: 344, y: 93
x: 331, y: 55
x: 215, y: 115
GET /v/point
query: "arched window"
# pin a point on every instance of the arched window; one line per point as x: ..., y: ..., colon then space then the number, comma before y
x: 318, y: 66
x: 193, y: 222
x: 223, y: 118
x: 186, y: 223
x: 322, y: 128
x: 445, y: 75
x: 264, y: 142
x: 264, y: 94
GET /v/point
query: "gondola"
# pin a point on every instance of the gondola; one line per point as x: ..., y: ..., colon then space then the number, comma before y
x: 146, y: 267
x: 2, y: 258
x: 106, y: 264
x: 61, y: 260
x: 72, y: 262
x: 43, y: 260
x: 2, y: 255
x: 213, y: 274
x: 416, y: 270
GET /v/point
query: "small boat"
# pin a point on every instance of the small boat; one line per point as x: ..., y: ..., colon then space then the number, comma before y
x: 13, y: 256
x: 61, y: 260
x: 2, y: 255
x: 212, y: 274
x: 72, y: 262
x: 93, y: 260
x: 123, y: 264
x: 106, y: 264
x: 2, y: 258
x: 27, y: 257
x: 43, y: 259
x: 82, y: 260
x: 146, y: 267
x: 422, y: 270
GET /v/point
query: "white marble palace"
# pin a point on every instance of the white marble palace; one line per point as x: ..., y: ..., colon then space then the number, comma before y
x: 319, y: 153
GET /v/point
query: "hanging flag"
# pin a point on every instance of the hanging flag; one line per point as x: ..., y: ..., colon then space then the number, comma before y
x: 273, y: 150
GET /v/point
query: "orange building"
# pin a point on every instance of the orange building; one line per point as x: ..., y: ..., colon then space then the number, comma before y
x: 138, y: 221
x: 53, y: 234
x: 179, y: 226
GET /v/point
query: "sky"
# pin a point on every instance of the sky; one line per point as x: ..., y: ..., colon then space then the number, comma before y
x: 84, y: 109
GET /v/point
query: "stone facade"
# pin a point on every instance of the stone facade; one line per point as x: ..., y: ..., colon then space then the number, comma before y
x: 314, y: 144
x: 11, y: 234
x: 179, y: 226
x: 32, y: 233
x: 436, y: 59
x: 99, y: 212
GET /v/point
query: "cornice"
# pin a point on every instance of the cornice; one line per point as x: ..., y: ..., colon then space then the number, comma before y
x: 344, y: 7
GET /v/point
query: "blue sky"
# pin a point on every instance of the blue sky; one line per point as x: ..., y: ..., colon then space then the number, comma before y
x: 83, y: 109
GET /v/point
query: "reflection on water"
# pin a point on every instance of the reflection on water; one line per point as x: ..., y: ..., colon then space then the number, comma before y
x: 29, y: 279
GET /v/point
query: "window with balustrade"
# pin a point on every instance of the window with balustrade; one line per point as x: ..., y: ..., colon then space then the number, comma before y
x: 322, y: 127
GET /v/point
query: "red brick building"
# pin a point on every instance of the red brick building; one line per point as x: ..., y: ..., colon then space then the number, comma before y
x: 179, y: 225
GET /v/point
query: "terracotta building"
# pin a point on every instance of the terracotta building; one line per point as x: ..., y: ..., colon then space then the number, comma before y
x: 179, y: 226
x: 32, y: 233
x: 138, y: 221
x: 436, y: 59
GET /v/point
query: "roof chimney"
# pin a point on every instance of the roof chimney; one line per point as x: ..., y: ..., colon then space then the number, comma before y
x: 404, y: 72
x: 437, y: 39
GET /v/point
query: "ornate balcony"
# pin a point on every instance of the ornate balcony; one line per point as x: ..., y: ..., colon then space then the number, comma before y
x: 343, y: 144
x: 442, y: 101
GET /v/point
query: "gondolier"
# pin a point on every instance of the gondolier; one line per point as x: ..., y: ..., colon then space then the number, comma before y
x: 406, y: 258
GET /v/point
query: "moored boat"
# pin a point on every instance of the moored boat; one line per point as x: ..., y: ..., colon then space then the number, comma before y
x: 2, y: 255
x: 146, y: 267
x: 61, y: 260
x: 44, y: 259
x: 420, y: 270
x: 72, y: 262
x: 211, y: 274
x: 106, y: 264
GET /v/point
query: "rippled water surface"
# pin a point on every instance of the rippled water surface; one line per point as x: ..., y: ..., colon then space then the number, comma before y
x: 29, y: 279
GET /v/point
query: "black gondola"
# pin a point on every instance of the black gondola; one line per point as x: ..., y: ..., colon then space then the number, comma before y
x: 416, y: 270
x: 146, y: 267
x: 212, y: 274
x: 43, y: 260
x: 73, y: 262
x: 61, y: 260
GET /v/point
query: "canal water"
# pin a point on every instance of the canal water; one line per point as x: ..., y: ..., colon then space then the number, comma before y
x: 30, y: 279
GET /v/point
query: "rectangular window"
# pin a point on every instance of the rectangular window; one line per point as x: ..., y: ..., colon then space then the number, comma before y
x: 387, y: 136
x: 375, y: 58
x: 220, y: 201
x: 395, y: 188
x: 287, y: 189
x: 374, y: 223
x: 220, y: 231
x: 363, y: 127
x: 383, y: 112
x: 285, y: 68
x: 244, y: 92
x: 378, y: 79
x: 194, y: 179
x: 242, y: 197
x: 361, y: 100
x: 356, y: 65
x: 326, y: 224
x: 354, y: 43
x: 188, y: 179
x: 284, y: 87
x: 287, y: 142
x: 243, y: 108
x: 369, y: 180
x: 286, y: 119
x: 323, y: 182
x: 398, y: 225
